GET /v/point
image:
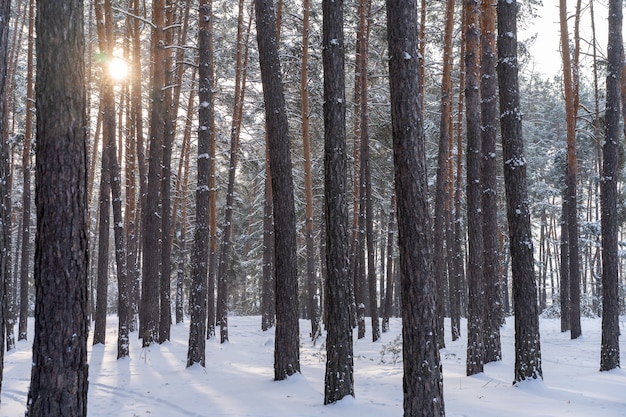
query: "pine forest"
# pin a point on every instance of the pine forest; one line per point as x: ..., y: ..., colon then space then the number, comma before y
x: 437, y: 186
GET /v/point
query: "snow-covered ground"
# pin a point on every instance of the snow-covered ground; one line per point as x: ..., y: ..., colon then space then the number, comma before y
x: 238, y: 382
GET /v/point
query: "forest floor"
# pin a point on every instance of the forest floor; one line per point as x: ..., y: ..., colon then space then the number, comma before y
x: 237, y: 381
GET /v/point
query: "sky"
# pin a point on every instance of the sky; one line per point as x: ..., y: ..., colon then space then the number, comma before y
x: 547, y: 49
x: 237, y: 381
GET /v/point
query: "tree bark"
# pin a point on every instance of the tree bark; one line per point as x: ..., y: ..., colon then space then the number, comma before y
x: 26, y: 167
x: 59, y: 372
x: 475, y: 322
x: 423, y: 379
x: 443, y: 159
x: 235, y: 129
x: 489, y: 108
x: 287, y: 336
x: 339, y: 379
x: 151, y: 268
x: 527, y: 344
x: 610, y: 352
x: 5, y: 14
x: 200, y: 253
x: 572, y: 206
x: 312, y: 298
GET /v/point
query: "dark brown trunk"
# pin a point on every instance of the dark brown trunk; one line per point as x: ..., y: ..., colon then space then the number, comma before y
x: 59, y: 372
x: 610, y: 352
x: 527, y: 343
x: 423, y: 379
x: 339, y: 379
x: 287, y: 340
x: 475, y: 283
x: 489, y: 108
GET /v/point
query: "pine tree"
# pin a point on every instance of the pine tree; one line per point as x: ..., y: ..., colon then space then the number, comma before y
x: 423, y: 379
x: 527, y: 344
x: 59, y: 372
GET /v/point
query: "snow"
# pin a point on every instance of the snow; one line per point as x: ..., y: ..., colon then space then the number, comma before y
x: 238, y: 378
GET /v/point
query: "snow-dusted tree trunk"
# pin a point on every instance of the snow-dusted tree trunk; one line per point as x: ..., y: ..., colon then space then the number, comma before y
x: 59, y: 366
x: 609, y: 353
x: 287, y: 340
x: 200, y: 252
x: 489, y: 105
x: 423, y: 379
x: 339, y: 379
x: 527, y: 344
x: 475, y: 268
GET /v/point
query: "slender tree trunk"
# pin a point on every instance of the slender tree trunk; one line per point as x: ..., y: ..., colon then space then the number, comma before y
x: 443, y: 159
x: 527, y: 344
x: 339, y: 379
x: 235, y: 129
x: 151, y: 269
x: 5, y: 14
x: 610, y: 352
x: 287, y: 343
x: 312, y: 298
x: 268, y: 296
x: 389, y: 291
x: 26, y: 164
x: 200, y: 253
x: 457, y: 287
x: 475, y: 322
x: 366, y: 185
x: 572, y: 206
x: 182, y: 200
x: 489, y: 108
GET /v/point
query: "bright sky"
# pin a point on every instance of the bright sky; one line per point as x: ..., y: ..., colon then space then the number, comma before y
x: 547, y: 46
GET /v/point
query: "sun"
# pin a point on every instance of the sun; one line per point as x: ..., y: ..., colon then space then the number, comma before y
x: 118, y: 69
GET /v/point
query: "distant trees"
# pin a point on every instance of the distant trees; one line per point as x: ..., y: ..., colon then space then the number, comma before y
x: 59, y: 372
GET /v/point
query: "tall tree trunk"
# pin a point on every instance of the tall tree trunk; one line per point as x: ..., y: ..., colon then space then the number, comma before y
x: 339, y: 379
x: 610, y: 352
x: 182, y: 200
x: 457, y: 287
x: 5, y: 14
x: 423, y: 379
x: 136, y: 154
x: 489, y: 108
x: 443, y: 159
x: 235, y: 130
x: 527, y: 344
x: 312, y: 298
x: 200, y: 253
x: 572, y: 206
x: 26, y: 168
x: 151, y: 268
x: 475, y: 322
x: 366, y: 185
x: 107, y: 106
x: 287, y: 340
x: 59, y: 375
x: 170, y: 110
